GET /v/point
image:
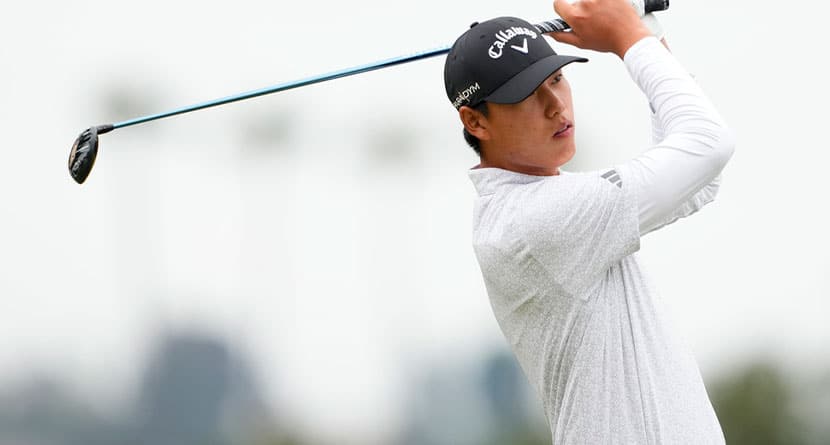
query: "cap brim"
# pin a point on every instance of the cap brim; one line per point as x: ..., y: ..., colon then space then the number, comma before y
x: 523, y: 84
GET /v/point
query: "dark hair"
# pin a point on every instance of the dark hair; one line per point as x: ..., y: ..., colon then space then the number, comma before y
x: 472, y: 140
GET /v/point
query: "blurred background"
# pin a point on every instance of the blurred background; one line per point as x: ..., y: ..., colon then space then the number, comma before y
x: 297, y: 268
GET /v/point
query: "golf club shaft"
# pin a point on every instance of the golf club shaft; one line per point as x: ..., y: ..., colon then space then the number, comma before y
x: 555, y: 25
x: 544, y: 27
x: 288, y: 85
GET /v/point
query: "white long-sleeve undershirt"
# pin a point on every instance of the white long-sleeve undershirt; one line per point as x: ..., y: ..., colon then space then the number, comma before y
x: 679, y: 174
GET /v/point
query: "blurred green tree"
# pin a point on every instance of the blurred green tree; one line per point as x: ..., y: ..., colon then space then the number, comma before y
x: 755, y: 406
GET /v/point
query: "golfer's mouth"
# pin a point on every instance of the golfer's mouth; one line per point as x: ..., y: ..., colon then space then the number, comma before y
x: 565, y: 131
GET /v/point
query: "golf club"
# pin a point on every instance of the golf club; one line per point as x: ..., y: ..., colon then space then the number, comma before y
x: 85, y: 149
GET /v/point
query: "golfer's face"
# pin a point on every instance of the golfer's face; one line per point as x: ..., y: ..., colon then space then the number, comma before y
x: 538, y: 131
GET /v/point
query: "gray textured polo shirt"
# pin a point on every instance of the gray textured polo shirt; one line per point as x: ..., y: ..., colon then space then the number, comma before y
x: 558, y: 257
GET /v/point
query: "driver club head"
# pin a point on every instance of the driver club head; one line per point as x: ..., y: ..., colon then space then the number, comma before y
x: 84, y: 151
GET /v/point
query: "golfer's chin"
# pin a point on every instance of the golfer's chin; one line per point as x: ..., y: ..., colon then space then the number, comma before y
x: 564, y: 152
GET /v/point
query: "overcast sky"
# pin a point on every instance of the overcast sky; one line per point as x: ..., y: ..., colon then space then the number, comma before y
x: 328, y: 228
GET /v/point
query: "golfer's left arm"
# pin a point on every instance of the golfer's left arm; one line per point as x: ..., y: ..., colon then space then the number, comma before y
x: 703, y: 196
x: 679, y: 174
x: 653, y: 218
x: 696, y: 202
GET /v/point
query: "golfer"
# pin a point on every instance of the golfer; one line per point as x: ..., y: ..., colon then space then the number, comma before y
x: 557, y: 249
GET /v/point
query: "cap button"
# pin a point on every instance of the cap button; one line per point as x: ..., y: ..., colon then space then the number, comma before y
x: 473, y: 25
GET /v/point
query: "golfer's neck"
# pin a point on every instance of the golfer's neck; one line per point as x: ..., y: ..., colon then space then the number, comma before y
x: 524, y: 168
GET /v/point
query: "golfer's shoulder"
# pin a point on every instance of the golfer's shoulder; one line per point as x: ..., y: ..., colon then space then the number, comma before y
x: 530, y: 202
x: 561, y: 204
x: 546, y: 203
x: 569, y: 191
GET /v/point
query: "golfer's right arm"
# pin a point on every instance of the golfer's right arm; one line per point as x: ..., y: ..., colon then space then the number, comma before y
x: 670, y: 177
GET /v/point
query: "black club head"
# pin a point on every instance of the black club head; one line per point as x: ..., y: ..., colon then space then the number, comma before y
x: 84, y: 151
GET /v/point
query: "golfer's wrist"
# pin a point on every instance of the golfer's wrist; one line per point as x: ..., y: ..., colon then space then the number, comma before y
x: 630, y: 40
x: 643, y: 45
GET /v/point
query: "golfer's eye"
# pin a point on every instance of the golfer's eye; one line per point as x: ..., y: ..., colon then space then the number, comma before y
x: 557, y: 78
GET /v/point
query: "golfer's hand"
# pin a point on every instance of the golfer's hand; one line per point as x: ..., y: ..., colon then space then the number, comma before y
x: 600, y: 25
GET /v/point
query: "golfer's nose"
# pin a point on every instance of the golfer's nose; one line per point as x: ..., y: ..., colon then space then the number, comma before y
x: 553, y: 101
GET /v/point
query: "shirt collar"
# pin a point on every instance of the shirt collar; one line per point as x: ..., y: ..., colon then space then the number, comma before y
x: 487, y: 180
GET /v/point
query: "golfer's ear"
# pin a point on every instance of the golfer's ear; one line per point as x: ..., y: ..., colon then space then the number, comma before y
x: 475, y: 122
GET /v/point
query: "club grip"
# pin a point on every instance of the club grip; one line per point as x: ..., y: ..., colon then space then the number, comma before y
x: 559, y: 25
x: 656, y: 5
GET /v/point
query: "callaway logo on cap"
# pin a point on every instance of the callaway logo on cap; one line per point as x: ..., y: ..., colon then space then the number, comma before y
x: 502, y: 60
